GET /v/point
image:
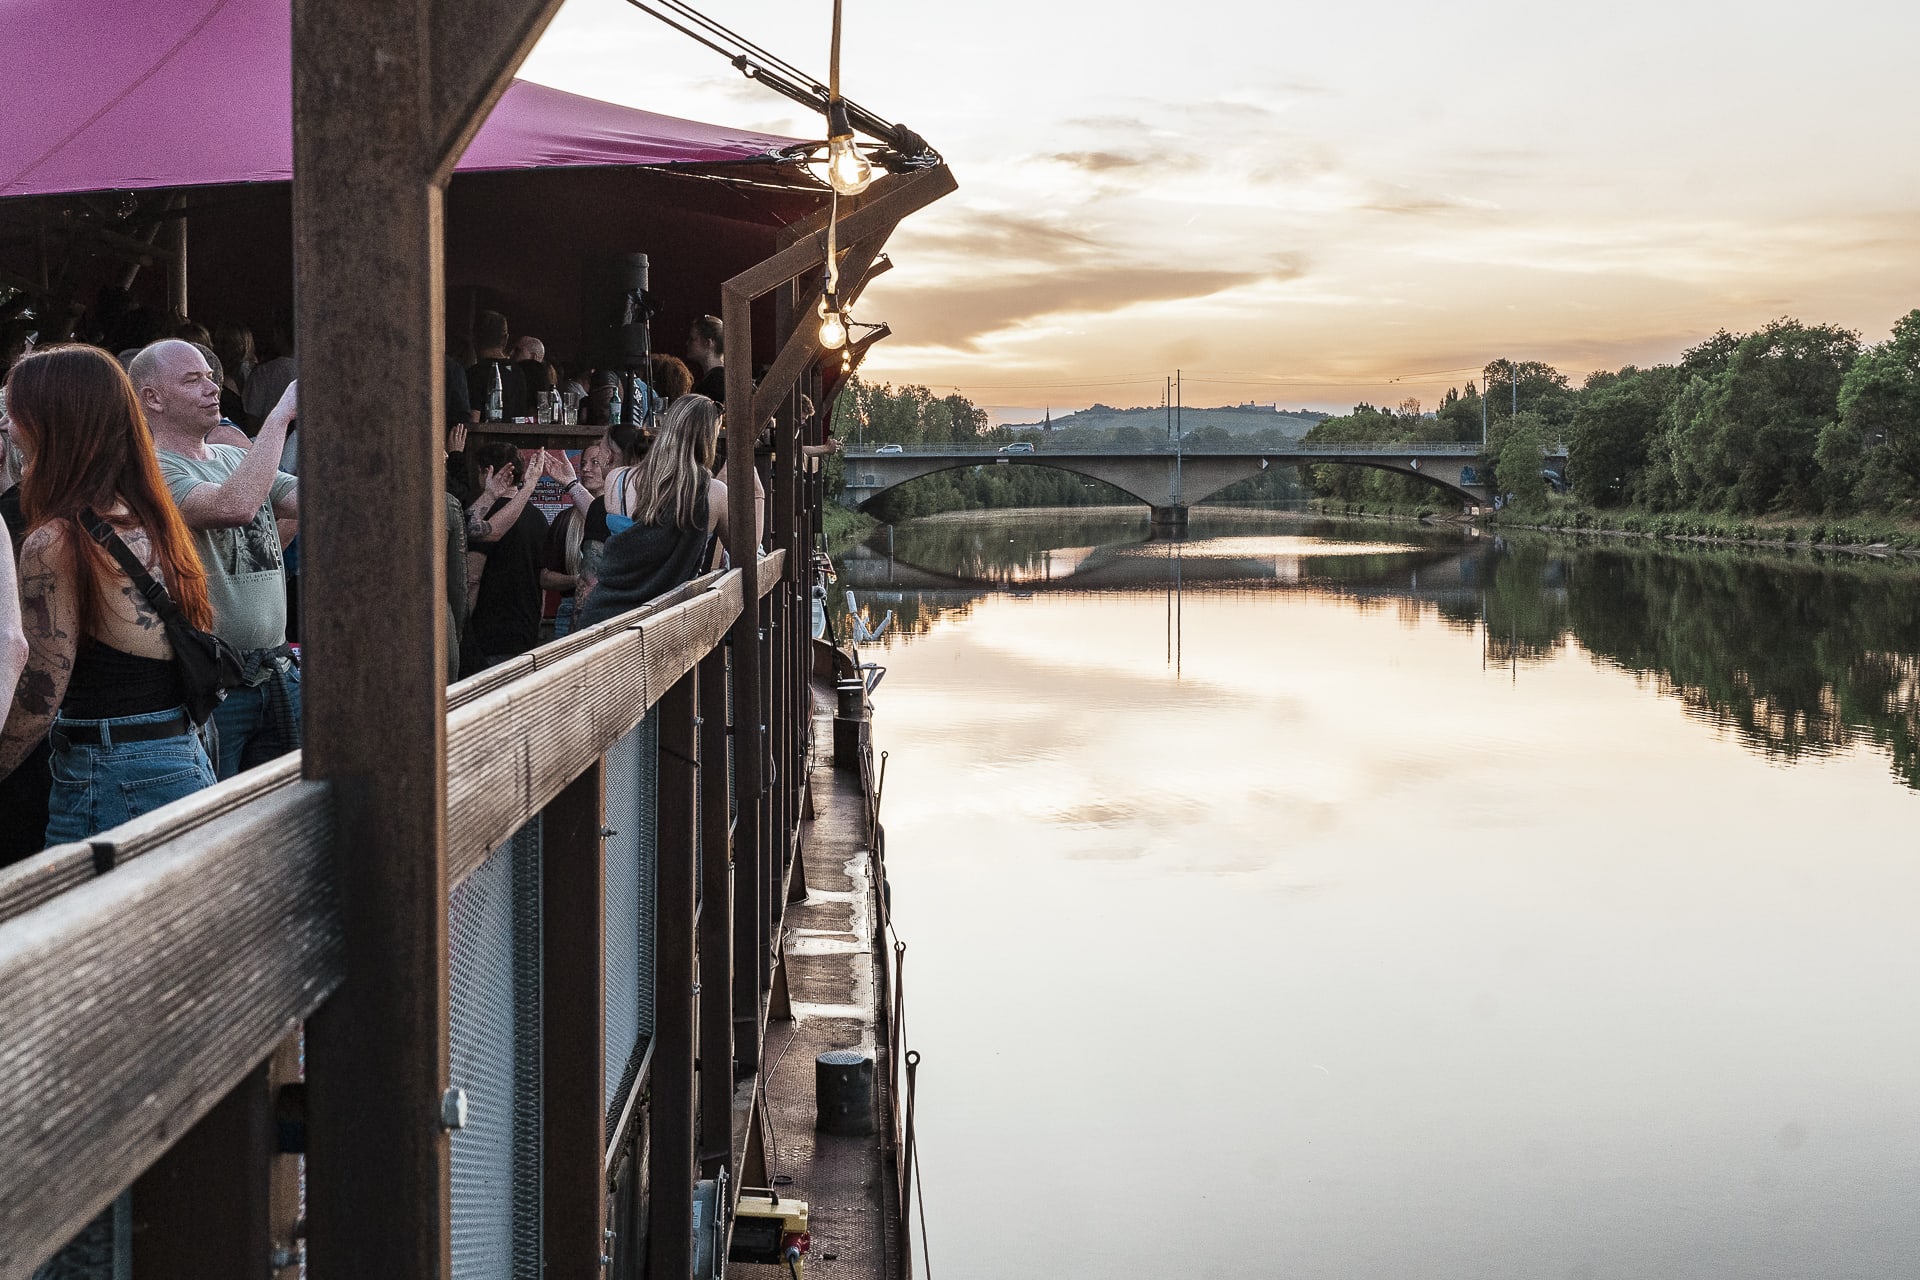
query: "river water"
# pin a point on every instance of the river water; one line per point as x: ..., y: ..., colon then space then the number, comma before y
x: 1389, y: 901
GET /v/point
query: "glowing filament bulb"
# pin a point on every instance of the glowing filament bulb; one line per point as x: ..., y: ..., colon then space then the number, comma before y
x: 847, y: 170
x: 833, y: 331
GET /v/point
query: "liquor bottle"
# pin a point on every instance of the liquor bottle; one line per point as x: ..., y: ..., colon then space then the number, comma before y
x: 496, y: 395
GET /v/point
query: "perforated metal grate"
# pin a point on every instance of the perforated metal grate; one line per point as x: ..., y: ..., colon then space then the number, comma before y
x: 493, y: 926
x: 102, y: 1251
x: 631, y: 771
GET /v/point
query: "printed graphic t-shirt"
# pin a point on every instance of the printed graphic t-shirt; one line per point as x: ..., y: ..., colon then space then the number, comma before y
x: 244, y: 582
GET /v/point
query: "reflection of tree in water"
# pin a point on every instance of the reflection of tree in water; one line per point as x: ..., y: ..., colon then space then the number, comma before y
x: 1796, y: 656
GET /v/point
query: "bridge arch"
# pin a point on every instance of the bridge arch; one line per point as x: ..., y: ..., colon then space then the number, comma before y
x: 1150, y: 478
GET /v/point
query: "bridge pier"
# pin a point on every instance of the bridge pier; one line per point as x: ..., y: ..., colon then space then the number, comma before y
x: 1170, y: 521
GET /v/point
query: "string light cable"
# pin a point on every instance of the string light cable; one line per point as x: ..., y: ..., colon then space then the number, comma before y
x: 901, y: 150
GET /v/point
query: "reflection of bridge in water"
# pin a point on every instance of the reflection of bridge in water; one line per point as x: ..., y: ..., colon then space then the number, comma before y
x: 1454, y: 574
x: 1170, y: 481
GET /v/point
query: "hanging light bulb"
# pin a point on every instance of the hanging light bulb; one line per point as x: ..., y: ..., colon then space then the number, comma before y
x: 847, y: 170
x: 833, y: 326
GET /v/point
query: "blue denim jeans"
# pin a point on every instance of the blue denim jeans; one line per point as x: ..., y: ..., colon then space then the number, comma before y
x: 244, y: 728
x: 96, y: 787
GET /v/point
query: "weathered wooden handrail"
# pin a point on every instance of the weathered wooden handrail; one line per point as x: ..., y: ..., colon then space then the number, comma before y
x: 145, y: 972
x: 132, y: 1004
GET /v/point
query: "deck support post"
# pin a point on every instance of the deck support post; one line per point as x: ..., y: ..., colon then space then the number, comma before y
x: 573, y: 1031
x: 716, y: 922
x: 374, y: 141
x: 671, y: 1154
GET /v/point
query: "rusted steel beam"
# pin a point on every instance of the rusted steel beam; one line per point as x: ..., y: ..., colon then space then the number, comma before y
x: 716, y: 919
x: 573, y: 1031
x: 671, y: 1154
x: 203, y: 954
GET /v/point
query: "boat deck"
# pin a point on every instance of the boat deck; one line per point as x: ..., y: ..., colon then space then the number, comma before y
x: 835, y: 1002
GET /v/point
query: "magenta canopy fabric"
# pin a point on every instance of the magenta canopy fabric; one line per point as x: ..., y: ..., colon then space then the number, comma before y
x: 114, y: 94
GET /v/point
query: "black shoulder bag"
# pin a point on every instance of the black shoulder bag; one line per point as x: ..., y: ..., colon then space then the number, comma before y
x: 209, y: 666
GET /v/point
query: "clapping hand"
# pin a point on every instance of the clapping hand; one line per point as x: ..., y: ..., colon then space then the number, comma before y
x: 560, y: 468
x: 535, y: 467
x: 457, y: 438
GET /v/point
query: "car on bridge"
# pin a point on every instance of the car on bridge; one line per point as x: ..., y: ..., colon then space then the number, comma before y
x: 1018, y: 446
x: 890, y: 448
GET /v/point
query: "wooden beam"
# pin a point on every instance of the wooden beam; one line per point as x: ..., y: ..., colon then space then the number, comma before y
x: 202, y: 955
x: 477, y: 46
x: 511, y: 750
x: 901, y: 197
x: 204, y: 1209
x: 573, y: 1033
x: 736, y: 316
x: 369, y: 271
x: 800, y: 340
x: 671, y: 1156
x: 716, y: 920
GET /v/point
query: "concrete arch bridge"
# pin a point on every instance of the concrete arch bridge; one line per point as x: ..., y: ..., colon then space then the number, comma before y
x: 1170, y: 481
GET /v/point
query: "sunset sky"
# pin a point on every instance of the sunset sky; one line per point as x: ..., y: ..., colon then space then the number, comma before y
x: 1322, y: 204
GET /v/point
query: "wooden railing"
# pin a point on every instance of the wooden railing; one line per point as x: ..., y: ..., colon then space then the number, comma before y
x: 149, y: 975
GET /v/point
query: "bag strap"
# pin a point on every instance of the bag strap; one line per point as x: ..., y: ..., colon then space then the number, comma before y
x: 130, y: 565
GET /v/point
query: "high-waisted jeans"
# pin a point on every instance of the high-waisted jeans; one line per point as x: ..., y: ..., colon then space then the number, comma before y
x: 101, y: 785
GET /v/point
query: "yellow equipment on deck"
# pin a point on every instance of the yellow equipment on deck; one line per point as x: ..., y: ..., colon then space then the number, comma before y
x: 769, y: 1229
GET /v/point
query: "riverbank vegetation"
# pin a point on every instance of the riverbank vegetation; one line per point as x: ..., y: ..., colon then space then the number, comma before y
x: 1792, y: 432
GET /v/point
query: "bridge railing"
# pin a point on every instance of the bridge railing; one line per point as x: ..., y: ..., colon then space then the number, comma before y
x: 1188, y: 448
x: 604, y: 866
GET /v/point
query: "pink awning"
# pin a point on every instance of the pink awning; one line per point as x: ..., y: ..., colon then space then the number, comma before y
x: 115, y: 94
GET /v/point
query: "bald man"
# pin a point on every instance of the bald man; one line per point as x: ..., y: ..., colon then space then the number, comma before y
x: 230, y: 498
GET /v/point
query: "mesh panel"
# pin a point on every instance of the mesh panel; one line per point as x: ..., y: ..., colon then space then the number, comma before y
x: 102, y: 1251
x: 493, y: 928
x: 631, y: 768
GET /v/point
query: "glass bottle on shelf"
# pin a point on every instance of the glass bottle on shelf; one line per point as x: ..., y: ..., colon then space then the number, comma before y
x: 496, y: 395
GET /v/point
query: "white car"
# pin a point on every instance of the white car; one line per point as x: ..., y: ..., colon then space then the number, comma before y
x: 890, y: 448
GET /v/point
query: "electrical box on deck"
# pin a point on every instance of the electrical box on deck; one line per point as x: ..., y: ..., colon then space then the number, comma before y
x: 770, y: 1229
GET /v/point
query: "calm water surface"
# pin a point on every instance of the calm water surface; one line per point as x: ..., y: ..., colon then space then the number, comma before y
x: 1391, y: 902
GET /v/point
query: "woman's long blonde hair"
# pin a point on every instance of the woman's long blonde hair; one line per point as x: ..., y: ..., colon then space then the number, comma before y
x: 668, y: 483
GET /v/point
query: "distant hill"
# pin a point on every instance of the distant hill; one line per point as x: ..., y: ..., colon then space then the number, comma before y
x: 1234, y: 419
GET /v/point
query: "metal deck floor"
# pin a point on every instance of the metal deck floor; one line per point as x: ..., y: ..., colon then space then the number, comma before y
x: 847, y: 1182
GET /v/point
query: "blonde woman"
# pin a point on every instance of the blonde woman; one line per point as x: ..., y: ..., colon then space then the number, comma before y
x: 663, y: 514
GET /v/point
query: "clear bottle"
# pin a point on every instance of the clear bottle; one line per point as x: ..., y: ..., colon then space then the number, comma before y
x: 496, y: 395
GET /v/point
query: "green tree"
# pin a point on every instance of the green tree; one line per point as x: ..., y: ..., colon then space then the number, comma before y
x: 1743, y: 438
x: 1870, y: 454
x: 1618, y: 417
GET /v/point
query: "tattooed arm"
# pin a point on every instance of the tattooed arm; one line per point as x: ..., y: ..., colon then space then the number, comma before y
x: 13, y: 640
x: 50, y: 614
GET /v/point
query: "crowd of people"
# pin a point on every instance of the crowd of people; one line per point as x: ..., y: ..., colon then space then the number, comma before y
x: 151, y: 498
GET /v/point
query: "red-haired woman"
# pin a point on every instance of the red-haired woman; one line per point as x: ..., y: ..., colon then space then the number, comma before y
x: 100, y: 671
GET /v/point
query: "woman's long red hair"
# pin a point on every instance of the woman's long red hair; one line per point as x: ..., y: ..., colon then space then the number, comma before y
x: 88, y: 447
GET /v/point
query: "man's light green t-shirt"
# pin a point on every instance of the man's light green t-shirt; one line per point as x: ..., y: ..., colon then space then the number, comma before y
x: 245, y: 583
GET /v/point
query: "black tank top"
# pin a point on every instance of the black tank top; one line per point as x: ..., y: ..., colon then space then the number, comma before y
x: 109, y: 682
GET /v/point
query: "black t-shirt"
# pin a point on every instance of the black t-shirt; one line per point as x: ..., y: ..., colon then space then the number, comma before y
x: 459, y: 404
x: 713, y: 384
x: 516, y: 402
x: 15, y: 517
x: 506, y: 613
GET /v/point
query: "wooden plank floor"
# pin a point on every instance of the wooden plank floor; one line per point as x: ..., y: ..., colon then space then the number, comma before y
x: 847, y: 1182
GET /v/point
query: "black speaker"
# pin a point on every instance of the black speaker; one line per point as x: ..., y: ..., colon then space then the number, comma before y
x: 615, y: 311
